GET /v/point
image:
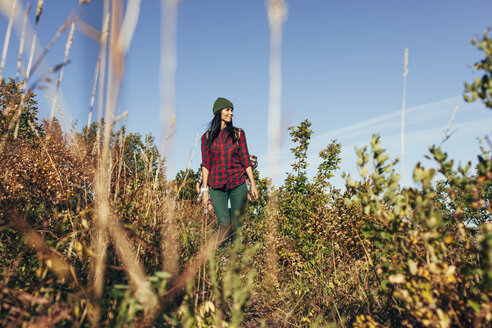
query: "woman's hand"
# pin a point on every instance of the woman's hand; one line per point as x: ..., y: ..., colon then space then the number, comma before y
x: 254, y: 191
x: 206, y: 202
x: 210, y: 208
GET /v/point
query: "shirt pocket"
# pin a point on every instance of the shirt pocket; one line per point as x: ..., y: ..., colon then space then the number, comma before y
x: 215, y: 149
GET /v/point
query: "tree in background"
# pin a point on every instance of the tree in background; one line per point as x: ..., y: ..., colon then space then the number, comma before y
x: 300, y: 198
x: 15, y: 123
x: 186, y: 184
x: 480, y: 88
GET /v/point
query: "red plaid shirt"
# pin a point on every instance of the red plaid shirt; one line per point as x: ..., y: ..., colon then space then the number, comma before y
x: 225, y: 160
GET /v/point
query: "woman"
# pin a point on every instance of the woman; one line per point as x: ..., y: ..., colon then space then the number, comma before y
x: 225, y: 160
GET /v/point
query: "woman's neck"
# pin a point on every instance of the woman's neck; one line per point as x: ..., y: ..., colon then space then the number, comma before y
x: 222, y: 125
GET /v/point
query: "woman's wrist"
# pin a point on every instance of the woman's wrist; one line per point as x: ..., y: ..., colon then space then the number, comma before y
x: 203, y: 189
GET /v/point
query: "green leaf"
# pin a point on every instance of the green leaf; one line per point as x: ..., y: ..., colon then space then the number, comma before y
x: 163, y: 275
x: 120, y: 286
x: 474, y: 306
x: 412, y: 266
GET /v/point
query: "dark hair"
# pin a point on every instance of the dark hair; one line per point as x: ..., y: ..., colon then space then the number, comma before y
x: 214, y: 129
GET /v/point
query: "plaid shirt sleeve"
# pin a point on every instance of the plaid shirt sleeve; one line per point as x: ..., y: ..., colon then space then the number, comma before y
x: 205, y: 153
x: 243, y: 150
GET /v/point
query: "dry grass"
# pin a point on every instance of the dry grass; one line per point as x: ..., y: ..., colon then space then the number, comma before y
x: 93, y: 233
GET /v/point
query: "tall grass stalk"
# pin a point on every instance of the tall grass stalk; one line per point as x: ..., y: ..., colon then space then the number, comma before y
x: 272, y: 239
x: 136, y: 275
x: 100, y: 40
x: 39, y: 11
x: 129, y: 24
x: 102, y: 78
x: 403, y: 103
x: 100, y: 241
x: 184, y: 278
x: 62, y: 29
x: 168, y: 63
x: 68, y: 45
x: 97, y: 36
x: 53, y: 259
x: 447, y: 131
x: 7, y: 38
x: 169, y: 236
x: 104, y: 219
x: 21, y: 44
x: 200, y: 283
x: 277, y: 14
x: 120, y: 161
x: 167, y: 80
x: 169, y: 232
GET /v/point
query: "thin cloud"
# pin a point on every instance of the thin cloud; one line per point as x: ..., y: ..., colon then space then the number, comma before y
x: 425, y: 125
x: 414, y: 116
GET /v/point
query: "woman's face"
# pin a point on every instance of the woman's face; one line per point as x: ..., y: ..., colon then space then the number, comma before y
x: 226, y: 115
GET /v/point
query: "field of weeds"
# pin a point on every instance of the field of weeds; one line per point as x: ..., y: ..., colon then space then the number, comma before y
x: 95, y: 233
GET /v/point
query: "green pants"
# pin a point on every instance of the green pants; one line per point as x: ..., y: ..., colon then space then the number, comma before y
x: 232, y: 220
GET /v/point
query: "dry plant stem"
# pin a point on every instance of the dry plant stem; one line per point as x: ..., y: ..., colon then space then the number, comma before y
x: 120, y: 166
x: 129, y: 24
x: 168, y: 63
x: 272, y: 213
x: 7, y: 38
x: 9, y: 272
x: 68, y: 45
x: 39, y: 11
x: 93, y: 94
x: 447, y: 133
x: 133, y: 269
x: 405, y: 73
x: 89, y: 30
x: 365, y: 251
x: 102, y: 207
x: 179, y: 284
x: 169, y: 231
x: 340, y: 320
x: 169, y: 244
x: 150, y: 191
x: 60, y: 180
x: 198, y: 282
x: 104, y: 166
x: 62, y: 29
x: 53, y: 260
x: 116, y: 57
x: 277, y: 14
x: 201, y: 270
x: 160, y: 165
x: 51, y: 320
x: 102, y: 72
x: 31, y: 53
x: 21, y: 44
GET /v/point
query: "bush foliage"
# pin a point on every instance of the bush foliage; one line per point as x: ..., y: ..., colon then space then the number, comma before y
x: 372, y: 254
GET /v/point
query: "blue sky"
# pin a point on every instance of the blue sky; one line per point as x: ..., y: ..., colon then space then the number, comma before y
x: 342, y: 68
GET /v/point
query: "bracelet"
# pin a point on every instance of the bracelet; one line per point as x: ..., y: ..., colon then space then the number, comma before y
x: 203, y: 189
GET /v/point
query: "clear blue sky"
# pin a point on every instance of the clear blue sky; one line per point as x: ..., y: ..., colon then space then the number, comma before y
x: 342, y: 66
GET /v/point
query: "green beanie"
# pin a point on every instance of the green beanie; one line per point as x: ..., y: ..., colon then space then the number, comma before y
x: 221, y: 103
